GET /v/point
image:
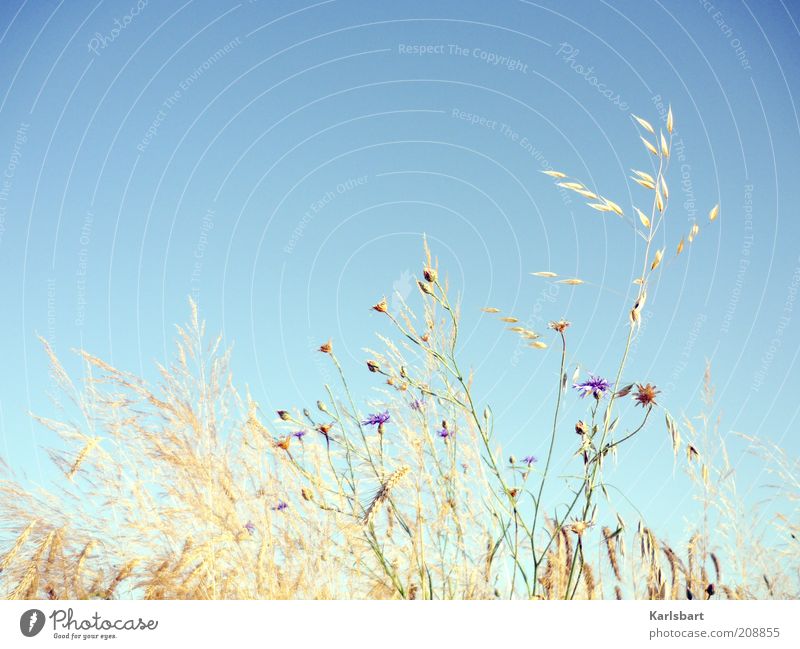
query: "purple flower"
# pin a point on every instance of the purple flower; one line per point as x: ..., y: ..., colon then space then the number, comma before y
x: 529, y: 459
x: 377, y: 419
x: 280, y: 506
x: 595, y: 386
x: 250, y: 527
x: 417, y: 404
x: 300, y: 434
x: 444, y: 433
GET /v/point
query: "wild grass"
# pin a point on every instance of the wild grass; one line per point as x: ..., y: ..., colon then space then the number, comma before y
x: 186, y: 489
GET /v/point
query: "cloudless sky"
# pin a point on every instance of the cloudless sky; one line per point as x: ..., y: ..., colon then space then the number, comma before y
x: 281, y: 160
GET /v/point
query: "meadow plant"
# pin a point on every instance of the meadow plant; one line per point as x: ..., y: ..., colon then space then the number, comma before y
x: 188, y: 489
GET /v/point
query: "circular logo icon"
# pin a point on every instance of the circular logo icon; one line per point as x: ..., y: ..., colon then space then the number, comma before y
x: 31, y: 622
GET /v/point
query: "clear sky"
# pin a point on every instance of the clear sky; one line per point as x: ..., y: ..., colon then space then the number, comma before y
x: 280, y: 161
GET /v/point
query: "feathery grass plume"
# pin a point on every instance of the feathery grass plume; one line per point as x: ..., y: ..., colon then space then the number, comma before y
x: 691, y: 553
x: 88, y: 448
x: 28, y: 585
x: 589, y: 582
x: 383, y: 494
x: 611, y: 549
x: 674, y: 568
x: 9, y: 556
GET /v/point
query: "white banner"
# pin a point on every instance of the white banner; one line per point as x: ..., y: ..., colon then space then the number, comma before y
x: 387, y: 625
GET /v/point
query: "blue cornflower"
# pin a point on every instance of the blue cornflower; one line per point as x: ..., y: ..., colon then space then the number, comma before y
x: 377, y: 419
x: 595, y: 386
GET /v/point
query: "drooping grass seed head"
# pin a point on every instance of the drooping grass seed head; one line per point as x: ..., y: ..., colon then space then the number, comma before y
x: 624, y: 392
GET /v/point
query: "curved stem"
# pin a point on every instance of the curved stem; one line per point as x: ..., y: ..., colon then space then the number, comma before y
x: 537, y: 561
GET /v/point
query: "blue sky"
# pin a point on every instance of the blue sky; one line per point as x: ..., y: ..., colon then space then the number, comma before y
x: 281, y: 160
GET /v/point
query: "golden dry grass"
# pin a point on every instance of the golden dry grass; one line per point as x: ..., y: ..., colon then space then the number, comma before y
x: 186, y: 489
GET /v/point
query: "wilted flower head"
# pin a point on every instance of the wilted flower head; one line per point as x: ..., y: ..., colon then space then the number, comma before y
x: 560, y: 325
x: 280, y: 506
x: 381, y: 307
x: 594, y: 385
x: 579, y: 527
x: 378, y: 419
x: 424, y: 288
x: 624, y: 392
x: 429, y: 274
x: 646, y: 395
x: 326, y: 348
